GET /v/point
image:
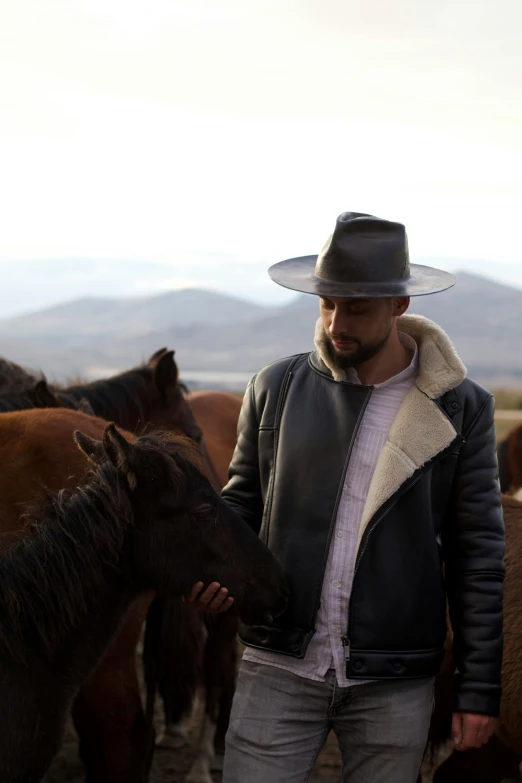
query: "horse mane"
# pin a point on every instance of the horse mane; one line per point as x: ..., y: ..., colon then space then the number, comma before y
x: 25, y: 400
x: 125, y: 393
x: 17, y: 402
x: 51, y: 573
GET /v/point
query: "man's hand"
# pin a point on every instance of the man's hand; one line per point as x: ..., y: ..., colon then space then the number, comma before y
x: 215, y: 599
x: 471, y: 731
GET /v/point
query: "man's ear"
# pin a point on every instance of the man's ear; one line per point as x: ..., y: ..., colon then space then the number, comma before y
x: 401, y: 304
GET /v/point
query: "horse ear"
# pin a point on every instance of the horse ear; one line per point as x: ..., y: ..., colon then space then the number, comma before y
x: 120, y: 452
x: 166, y: 372
x: 85, y: 406
x: 44, y: 397
x: 93, y: 449
x: 155, y: 356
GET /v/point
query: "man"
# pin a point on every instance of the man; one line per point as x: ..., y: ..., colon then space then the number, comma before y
x: 369, y: 469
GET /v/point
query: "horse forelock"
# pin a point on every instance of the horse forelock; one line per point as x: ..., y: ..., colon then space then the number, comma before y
x: 181, y: 450
x: 52, y: 572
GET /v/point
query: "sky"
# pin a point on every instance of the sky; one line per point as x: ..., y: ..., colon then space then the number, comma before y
x: 177, y: 143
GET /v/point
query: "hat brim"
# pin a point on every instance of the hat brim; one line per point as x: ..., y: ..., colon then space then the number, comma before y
x: 298, y: 275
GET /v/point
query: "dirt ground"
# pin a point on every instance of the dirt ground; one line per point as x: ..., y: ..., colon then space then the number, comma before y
x: 171, y: 766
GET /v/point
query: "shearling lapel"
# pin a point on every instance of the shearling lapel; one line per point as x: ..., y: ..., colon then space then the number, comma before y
x: 419, y: 432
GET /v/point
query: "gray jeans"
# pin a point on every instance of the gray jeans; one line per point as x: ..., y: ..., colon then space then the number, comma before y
x: 280, y: 723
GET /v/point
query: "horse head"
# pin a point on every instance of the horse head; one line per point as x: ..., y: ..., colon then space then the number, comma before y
x: 169, y: 409
x: 184, y: 532
x: 44, y: 397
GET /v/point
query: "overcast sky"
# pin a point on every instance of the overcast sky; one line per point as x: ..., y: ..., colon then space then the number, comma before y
x: 214, y: 138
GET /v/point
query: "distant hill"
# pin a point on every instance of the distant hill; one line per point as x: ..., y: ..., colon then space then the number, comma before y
x: 212, y: 332
x: 104, y: 316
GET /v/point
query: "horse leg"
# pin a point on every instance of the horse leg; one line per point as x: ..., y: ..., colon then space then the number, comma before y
x: 116, y: 740
x: 226, y: 640
x: 219, y: 672
x: 490, y: 764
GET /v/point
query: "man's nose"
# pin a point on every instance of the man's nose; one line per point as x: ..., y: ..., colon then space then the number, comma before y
x: 339, y: 322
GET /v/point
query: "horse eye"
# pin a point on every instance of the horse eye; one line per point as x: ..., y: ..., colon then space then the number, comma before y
x: 205, y: 510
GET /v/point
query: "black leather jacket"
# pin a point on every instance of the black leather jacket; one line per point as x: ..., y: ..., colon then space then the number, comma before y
x: 435, y: 530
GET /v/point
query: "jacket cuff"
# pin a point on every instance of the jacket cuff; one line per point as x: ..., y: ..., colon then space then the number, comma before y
x: 477, y: 698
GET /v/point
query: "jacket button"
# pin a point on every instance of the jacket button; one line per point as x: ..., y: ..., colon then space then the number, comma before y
x: 358, y: 665
x: 454, y: 405
x: 397, y: 665
x: 262, y: 637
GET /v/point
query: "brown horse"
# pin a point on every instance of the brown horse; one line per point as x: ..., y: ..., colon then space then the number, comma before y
x: 151, y: 397
x: 146, y: 520
x: 185, y: 647
x: 509, y: 451
x: 175, y: 656
x: 148, y: 397
x: 499, y: 758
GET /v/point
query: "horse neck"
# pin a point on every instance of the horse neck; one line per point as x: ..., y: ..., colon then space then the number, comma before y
x: 62, y: 593
x: 119, y: 399
x: 15, y: 402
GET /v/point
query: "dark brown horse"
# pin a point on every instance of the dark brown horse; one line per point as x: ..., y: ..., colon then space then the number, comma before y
x: 37, y: 396
x: 186, y: 647
x: 499, y: 758
x: 147, y: 519
x: 40, y: 395
x: 175, y: 657
x: 148, y: 397
x: 509, y: 452
x: 15, y: 379
x: 151, y: 397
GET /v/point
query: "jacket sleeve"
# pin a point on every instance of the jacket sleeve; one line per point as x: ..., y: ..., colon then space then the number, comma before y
x: 473, y: 545
x: 243, y: 490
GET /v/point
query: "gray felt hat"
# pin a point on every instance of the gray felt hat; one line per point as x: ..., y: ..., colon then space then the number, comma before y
x: 365, y: 256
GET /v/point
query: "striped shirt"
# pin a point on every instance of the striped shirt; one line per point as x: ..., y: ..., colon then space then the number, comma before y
x: 325, y: 650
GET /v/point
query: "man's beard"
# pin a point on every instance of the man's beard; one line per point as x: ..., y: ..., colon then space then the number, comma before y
x: 362, y: 353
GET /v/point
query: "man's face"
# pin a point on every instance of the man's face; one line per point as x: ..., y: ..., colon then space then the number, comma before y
x: 358, y: 329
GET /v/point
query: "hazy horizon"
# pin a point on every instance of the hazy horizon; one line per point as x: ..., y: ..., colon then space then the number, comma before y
x: 106, y: 284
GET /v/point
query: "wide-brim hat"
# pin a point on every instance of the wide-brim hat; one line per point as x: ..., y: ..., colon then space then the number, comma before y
x: 365, y: 256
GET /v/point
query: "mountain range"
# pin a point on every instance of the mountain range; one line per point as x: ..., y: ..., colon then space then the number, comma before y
x: 218, y: 335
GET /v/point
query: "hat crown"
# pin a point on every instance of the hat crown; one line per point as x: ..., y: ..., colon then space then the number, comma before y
x: 364, y: 249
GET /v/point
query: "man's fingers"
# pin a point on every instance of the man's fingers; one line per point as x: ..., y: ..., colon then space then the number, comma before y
x: 227, y: 603
x: 213, y: 599
x: 456, y: 729
x: 198, y: 587
x: 206, y: 598
x: 471, y: 731
x: 219, y: 597
x: 485, y: 731
x: 469, y: 739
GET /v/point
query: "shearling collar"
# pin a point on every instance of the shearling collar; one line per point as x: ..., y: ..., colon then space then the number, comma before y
x: 440, y: 368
